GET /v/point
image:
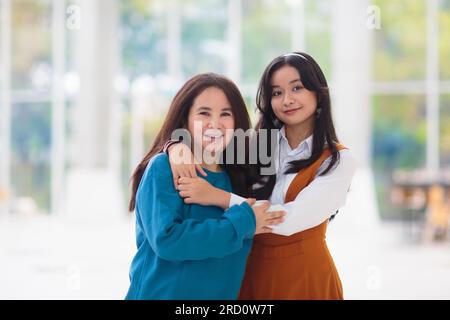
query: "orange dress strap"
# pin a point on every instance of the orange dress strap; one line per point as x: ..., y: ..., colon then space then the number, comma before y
x: 299, y: 182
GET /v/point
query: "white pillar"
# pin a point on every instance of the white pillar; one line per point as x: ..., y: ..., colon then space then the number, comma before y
x: 351, y: 101
x: 432, y: 86
x: 5, y: 108
x: 141, y: 98
x: 114, y: 111
x: 174, y: 39
x: 58, y: 107
x: 234, y: 33
x: 351, y: 67
x: 297, y: 25
x: 96, y: 55
x: 93, y: 187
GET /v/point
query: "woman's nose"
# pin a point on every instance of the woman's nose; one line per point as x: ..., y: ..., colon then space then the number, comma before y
x: 287, y: 100
x: 213, y: 123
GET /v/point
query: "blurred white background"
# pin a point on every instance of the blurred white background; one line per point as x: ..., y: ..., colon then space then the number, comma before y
x: 85, y: 85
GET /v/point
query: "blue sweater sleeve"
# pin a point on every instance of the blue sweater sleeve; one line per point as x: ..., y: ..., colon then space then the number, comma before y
x: 177, y: 239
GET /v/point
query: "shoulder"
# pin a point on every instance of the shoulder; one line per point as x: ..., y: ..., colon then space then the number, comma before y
x: 159, y: 161
x: 347, y: 157
x: 345, y: 163
x: 157, y: 182
x: 158, y: 167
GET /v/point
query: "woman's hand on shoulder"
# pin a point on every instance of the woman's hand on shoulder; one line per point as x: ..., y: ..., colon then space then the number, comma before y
x: 183, y: 163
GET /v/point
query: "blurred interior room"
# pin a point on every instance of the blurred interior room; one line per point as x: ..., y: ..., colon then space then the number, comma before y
x: 85, y: 86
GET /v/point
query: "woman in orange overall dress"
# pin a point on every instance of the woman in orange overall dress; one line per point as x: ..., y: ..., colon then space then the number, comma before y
x: 298, y: 266
x: 313, y: 174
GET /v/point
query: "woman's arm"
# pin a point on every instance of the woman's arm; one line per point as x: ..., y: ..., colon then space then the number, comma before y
x: 174, y: 238
x: 159, y: 210
x: 195, y: 190
x: 320, y: 199
x: 200, y: 191
x: 309, y: 209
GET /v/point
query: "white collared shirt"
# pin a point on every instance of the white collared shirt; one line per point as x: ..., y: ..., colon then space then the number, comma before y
x: 319, y: 200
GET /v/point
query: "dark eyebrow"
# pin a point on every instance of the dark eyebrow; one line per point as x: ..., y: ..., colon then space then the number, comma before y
x: 205, y: 108
x: 290, y: 82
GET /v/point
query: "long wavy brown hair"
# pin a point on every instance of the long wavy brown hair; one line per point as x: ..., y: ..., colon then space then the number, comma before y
x: 177, y: 118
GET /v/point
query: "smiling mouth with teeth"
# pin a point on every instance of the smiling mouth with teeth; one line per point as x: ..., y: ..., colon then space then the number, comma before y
x: 212, y: 138
x: 213, y: 135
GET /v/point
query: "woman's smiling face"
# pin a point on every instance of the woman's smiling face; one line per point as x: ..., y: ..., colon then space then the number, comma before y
x: 291, y: 102
x: 211, y: 120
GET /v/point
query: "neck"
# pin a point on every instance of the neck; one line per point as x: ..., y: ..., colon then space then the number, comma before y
x: 212, y: 167
x: 297, y: 133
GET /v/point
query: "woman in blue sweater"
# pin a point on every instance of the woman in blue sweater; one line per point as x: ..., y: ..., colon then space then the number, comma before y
x: 190, y: 251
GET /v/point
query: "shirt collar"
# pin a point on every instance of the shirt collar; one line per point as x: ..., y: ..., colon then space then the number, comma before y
x: 307, y: 143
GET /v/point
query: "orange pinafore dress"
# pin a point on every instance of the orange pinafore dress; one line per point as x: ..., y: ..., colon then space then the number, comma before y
x: 296, y: 267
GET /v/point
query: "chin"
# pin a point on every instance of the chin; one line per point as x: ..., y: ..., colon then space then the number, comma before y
x: 213, y: 148
x: 297, y: 121
x: 292, y: 122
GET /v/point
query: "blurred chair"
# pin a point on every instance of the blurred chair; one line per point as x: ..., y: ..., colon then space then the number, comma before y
x: 420, y: 190
x: 438, y: 213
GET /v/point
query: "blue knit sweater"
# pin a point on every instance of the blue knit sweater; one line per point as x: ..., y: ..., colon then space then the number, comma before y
x: 187, y: 251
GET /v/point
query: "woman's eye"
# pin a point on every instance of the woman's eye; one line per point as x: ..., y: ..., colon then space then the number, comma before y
x: 276, y: 93
x: 297, y: 88
x: 204, y: 113
x: 226, y: 114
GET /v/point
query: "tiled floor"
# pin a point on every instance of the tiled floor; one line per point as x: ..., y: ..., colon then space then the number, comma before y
x: 43, y: 258
x: 88, y: 257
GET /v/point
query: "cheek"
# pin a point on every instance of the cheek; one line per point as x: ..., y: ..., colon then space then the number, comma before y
x: 227, y: 122
x: 309, y: 107
x: 196, y: 127
x: 190, y: 126
x: 230, y: 123
x: 276, y: 107
x: 229, y: 126
x: 310, y: 101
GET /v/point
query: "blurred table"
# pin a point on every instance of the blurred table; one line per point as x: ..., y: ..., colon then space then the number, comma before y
x: 424, y: 190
